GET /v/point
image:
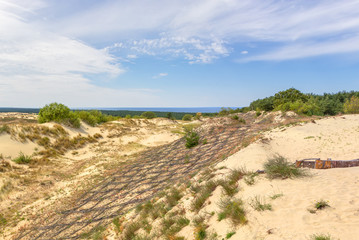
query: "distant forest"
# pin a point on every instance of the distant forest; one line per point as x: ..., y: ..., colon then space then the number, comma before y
x: 288, y: 100
x: 309, y: 104
x: 116, y: 113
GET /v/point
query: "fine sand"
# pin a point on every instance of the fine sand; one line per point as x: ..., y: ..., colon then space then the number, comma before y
x: 336, y: 138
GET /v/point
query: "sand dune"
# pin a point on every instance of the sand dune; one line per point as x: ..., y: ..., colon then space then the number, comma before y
x: 334, y: 137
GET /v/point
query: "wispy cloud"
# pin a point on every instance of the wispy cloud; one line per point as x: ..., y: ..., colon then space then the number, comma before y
x: 229, y: 22
x: 160, y: 75
x: 194, y: 50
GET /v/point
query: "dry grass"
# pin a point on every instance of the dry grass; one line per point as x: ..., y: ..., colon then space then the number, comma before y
x: 233, y: 209
x: 279, y: 167
x: 203, y: 194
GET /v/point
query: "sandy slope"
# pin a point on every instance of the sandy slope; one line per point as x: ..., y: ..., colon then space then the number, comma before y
x: 36, y: 187
x: 293, y: 216
x: 336, y: 138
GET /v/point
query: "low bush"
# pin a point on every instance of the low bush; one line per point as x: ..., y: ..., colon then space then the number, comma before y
x: 352, y: 105
x: 192, y: 139
x: 279, y: 167
x: 187, y: 117
x: 60, y: 113
x: 235, y: 117
x: 148, y: 115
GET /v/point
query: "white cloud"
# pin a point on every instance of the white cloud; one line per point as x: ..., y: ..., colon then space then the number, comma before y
x: 131, y: 56
x: 194, y: 50
x: 227, y: 21
x: 160, y: 75
x: 244, y: 52
x: 309, y: 49
x: 38, y: 66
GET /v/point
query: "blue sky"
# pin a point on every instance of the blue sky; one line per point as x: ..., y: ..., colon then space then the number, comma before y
x: 178, y: 53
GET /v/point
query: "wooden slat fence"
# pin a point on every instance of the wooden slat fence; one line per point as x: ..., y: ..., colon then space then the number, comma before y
x: 317, y: 163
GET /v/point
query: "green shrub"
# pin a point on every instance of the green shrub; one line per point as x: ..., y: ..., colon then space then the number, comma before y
x: 187, y: 117
x: 94, y: 117
x: 242, y: 120
x: 279, y: 167
x: 170, y: 116
x: 148, y: 115
x: 235, y: 117
x: 22, y: 159
x: 352, y: 105
x: 192, y: 139
x: 58, y: 112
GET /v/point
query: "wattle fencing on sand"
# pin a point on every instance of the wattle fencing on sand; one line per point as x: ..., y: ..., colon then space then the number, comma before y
x: 317, y: 163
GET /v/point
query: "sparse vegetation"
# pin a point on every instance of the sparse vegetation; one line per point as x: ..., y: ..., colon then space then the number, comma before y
x: 259, y: 204
x: 130, y: 230
x: 242, y: 121
x: 3, y: 220
x: 249, y: 179
x: 277, y: 195
x: 230, y: 234
x: 173, y: 197
x: 279, y: 167
x: 22, y: 159
x: 5, y: 129
x: 233, y: 209
x: 319, y: 205
x: 95, y: 234
x: 203, y: 194
x: 321, y: 237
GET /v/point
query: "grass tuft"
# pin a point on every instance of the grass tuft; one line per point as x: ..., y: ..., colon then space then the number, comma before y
x: 204, y: 194
x: 321, y: 237
x: 279, y: 167
x: 22, y: 159
x: 259, y: 204
x: 233, y: 209
x: 319, y: 205
x: 173, y: 197
x: 230, y: 234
